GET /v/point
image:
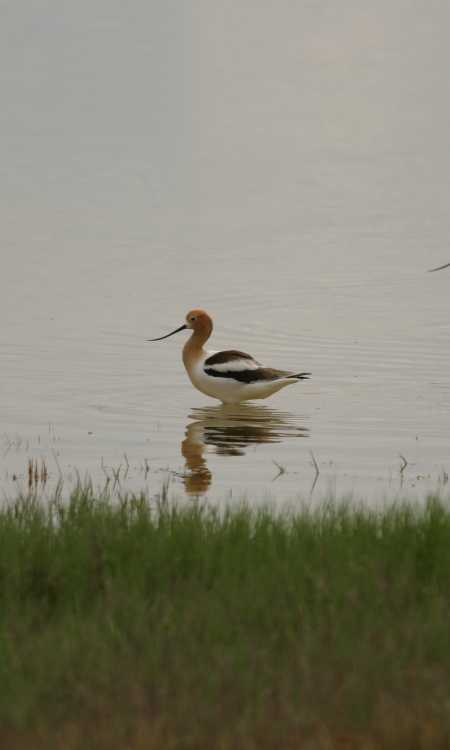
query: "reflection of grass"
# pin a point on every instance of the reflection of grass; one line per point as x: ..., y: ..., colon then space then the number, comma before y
x: 128, y: 626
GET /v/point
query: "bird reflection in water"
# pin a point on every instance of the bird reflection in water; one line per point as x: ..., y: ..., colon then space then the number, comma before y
x: 228, y: 430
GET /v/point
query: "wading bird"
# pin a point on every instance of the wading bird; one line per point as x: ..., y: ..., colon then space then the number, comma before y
x: 230, y: 376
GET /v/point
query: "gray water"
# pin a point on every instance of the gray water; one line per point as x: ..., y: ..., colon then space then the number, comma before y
x: 285, y: 166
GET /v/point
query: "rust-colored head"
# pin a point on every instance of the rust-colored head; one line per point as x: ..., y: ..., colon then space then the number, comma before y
x: 198, y: 321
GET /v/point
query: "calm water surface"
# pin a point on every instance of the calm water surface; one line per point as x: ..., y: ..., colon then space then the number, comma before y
x: 287, y: 169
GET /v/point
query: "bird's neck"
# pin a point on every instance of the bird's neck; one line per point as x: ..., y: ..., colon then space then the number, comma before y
x: 193, y: 348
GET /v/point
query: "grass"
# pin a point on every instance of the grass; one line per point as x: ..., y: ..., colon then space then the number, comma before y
x: 126, y: 624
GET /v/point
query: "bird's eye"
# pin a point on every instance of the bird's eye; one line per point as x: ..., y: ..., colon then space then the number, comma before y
x: 192, y: 318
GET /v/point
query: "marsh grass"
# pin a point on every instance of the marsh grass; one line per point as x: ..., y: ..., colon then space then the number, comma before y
x: 130, y: 624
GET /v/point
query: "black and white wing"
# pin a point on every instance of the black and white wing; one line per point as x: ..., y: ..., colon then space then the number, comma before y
x: 242, y: 368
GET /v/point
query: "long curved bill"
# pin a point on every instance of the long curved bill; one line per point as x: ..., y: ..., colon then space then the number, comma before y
x: 181, y: 328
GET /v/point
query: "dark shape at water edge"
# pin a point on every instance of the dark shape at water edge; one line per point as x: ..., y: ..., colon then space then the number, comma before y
x: 439, y: 268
